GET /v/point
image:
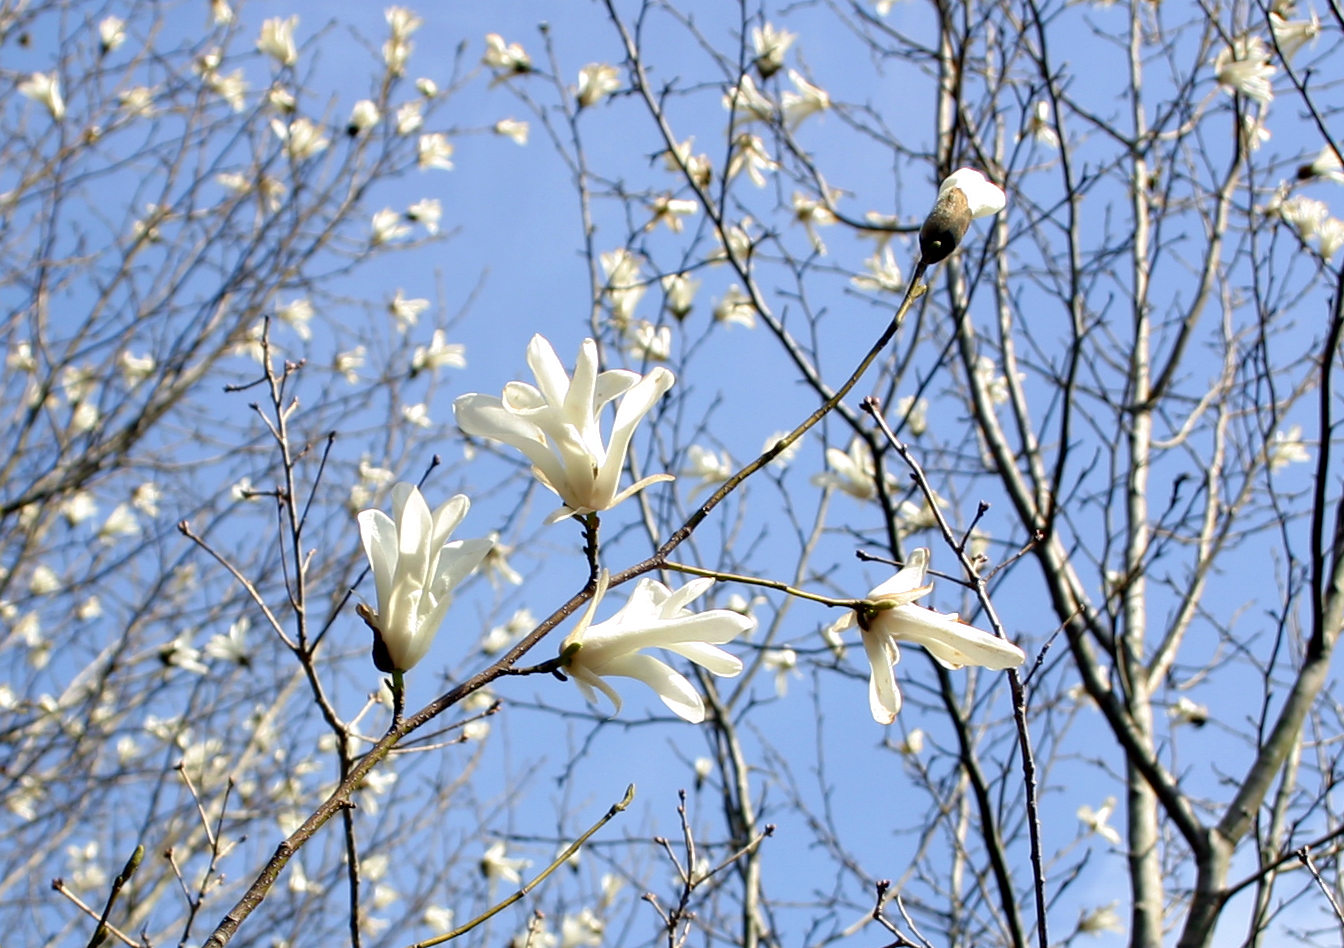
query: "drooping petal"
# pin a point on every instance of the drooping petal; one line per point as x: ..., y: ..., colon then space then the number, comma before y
x: 909, y: 579
x: 710, y: 657
x: 884, y: 698
x: 673, y: 688
x: 634, y: 406
x: 486, y: 417
x: 949, y: 640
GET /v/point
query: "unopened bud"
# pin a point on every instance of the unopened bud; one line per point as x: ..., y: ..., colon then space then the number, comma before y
x: 945, y: 226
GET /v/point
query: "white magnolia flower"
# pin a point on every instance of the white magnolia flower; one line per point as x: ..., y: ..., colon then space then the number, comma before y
x: 735, y: 307
x: 706, y: 466
x: 302, y: 139
x: 1304, y: 213
x: 438, y: 918
x: 363, y: 117
x: 596, y: 82
x: 679, y: 289
x: 501, y: 637
x: 44, y: 581
x: 439, y: 353
x: 231, y: 646
x: 808, y: 100
x: 1095, y: 820
x: 812, y: 213
x: 653, y: 617
x: 495, y: 865
x: 1040, y: 127
x: 512, y: 128
x: 402, y: 22
x: 746, y: 102
x: 581, y: 931
x: 297, y: 313
x: 220, y: 12
x: 145, y: 498
x: 749, y: 155
x: 983, y: 197
x: 427, y: 87
x: 670, y: 211
x: 120, y: 522
x: 697, y: 167
x: 1187, y: 711
x: 1330, y: 233
x: 78, y: 507
x: 386, y: 226
x: 21, y: 358
x: 557, y: 426
x: 506, y: 57
x: 435, y: 151
x: 852, y: 471
x: 915, y: 414
x: 784, y: 458
x: 951, y: 642
x: 111, y: 33
x: 781, y: 661
x: 770, y: 45
x: 1292, y: 35
x: 1326, y: 164
x: 277, y: 40
x: 884, y: 273
x: 349, y: 363
x: 427, y: 212
x: 417, y: 414
x: 396, y: 54
x: 415, y: 568
x: 645, y: 342
x: 45, y: 87
x: 409, y: 117
x: 1244, y: 68
x: 913, y: 745
x: 1103, y: 918
x: 625, y: 286
x: 281, y: 99
x: 406, y: 311
x: 231, y: 88
x: 1286, y: 448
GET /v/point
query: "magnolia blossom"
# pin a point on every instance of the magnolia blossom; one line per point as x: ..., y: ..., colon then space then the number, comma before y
x: 45, y: 87
x: 1292, y: 35
x: 495, y: 865
x: 111, y: 33
x: 363, y: 117
x: 771, y: 45
x: 1326, y: 164
x: 596, y: 82
x: 557, y: 425
x: 749, y: 155
x: 697, y: 167
x: 1187, y: 711
x: 646, y: 342
x: 653, y: 617
x: 1304, y: 213
x: 427, y: 87
x: 583, y: 930
x: 963, y: 196
x: 951, y: 642
x: 297, y: 313
x: 439, y: 353
x: 735, y: 307
x: 1286, y: 448
x: 1103, y: 918
x: 302, y: 139
x: 670, y: 211
x: 781, y: 661
x: 680, y: 291
x: 512, y: 128
x: 386, y: 226
x: 427, y: 212
x: 852, y: 472
x: 1095, y: 820
x: 406, y: 311
x: 1330, y: 234
x: 435, y: 151
x: 808, y: 100
x: 625, y: 286
x: 1244, y: 68
x: 506, y: 57
x: 747, y: 103
x: 415, y: 568
x: 409, y: 117
x: 277, y: 40
x: 1040, y: 127
x: 706, y: 466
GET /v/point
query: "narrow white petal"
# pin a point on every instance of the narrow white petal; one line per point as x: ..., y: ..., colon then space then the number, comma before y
x: 948, y: 639
x: 710, y: 657
x: 552, y: 379
x: 884, y: 698
x: 379, y: 534
x: 458, y: 560
x: 674, y: 690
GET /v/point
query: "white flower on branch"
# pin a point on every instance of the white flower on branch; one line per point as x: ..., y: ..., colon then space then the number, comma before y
x: 1292, y: 35
x: 497, y: 568
x: 495, y: 866
x: 435, y: 151
x: 653, y: 617
x: 770, y: 45
x: 302, y: 139
x: 697, y: 167
x: 852, y: 472
x: 679, y: 289
x: 120, y: 522
x: 670, y: 211
x: 509, y: 58
x: 808, y: 100
x: 581, y: 931
x: 409, y: 117
x: 707, y: 466
x: 884, y: 273
x: 952, y: 642
x: 45, y: 88
x: 1188, y: 711
x: 812, y: 213
x: 1330, y: 233
x: 501, y: 637
x: 1103, y: 918
x: 220, y: 12
x: 281, y: 99
x: 1244, y: 68
x: 417, y: 414
x: 297, y: 313
x: 137, y: 101
x: 749, y: 155
x: 427, y: 87
x: 1039, y: 126
x: 512, y: 128
x: 1305, y: 214
x: 426, y: 212
x: 1286, y: 448
x: 746, y: 102
x: 735, y: 307
x: 440, y: 353
x: 645, y: 342
x: 557, y: 425
x: 1326, y: 164
x: 416, y: 567
x: 625, y: 288
x: 1094, y: 821
x: 596, y: 82
x: 781, y: 661
x: 406, y: 312
x: 277, y: 40
x: 111, y: 33
x: 363, y: 117
x: 386, y: 226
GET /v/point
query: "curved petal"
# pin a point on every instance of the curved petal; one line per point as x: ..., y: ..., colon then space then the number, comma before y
x: 486, y: 417
x: 638, y: 486
x: 681, y: 598
x: 909, y: 579
x: 552, y: 379
x: 949, y: 640
x: 523, y: 399
x: 611, y: 384
x: 379, y: 535
x: 884, y: 698
x: 579, y: 402
x: 587, y: 681
x: 632, y: 409
x: 415, y: 530
x: 447, y: 518
x: 458, y: 560
x: 674, y: 690
x: 710, y: 657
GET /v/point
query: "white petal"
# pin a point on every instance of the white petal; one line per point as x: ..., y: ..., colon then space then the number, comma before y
x: 948, y: 639
x: 379, y: 534
x: 884, y: 698
x: 907, y: 580
x: 459, y: 559
x: 674, y: 690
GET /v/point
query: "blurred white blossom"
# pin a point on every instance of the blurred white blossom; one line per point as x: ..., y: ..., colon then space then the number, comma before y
x: 277, y: 40
x: 596, y: 82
